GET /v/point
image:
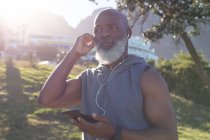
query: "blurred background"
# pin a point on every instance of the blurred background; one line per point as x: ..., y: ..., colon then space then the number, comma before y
x: 173, y: 36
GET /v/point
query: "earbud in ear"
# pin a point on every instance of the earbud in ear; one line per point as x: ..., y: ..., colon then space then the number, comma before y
x: 128, y: 36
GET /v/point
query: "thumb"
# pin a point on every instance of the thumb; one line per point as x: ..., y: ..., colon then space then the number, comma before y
x: 99, y: 118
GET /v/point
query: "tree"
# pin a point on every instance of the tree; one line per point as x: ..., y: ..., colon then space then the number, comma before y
x: 2, y: 36
x: 180, y: 18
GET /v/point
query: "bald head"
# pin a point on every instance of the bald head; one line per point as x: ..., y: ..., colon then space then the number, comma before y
x: 114, y: 13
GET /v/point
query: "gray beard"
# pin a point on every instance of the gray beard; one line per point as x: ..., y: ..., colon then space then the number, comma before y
x: 108, y: 56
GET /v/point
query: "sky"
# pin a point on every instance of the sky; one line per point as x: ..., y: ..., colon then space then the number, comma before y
x: 72, y: 10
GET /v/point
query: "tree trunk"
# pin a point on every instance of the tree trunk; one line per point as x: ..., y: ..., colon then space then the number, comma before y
x: 199, y: 68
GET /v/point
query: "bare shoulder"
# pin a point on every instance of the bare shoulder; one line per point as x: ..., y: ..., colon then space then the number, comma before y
x: 158, y: 106
x: 152, y: 82
x: 151, y: 73
x: 157, y: 102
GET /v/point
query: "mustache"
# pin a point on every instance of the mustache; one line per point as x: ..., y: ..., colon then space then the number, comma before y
x: 99, y: 45
x: 112, y: 42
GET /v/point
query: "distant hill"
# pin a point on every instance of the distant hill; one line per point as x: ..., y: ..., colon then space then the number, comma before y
x: 86, y: 25
x: 46, y: 23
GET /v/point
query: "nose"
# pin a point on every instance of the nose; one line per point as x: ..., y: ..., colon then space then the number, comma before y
x: 105, y: 33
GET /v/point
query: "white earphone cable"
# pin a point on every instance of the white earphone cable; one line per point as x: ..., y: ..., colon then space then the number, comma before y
x: 103, y: 84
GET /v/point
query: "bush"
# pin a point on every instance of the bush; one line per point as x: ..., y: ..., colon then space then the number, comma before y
x: 182, y: 78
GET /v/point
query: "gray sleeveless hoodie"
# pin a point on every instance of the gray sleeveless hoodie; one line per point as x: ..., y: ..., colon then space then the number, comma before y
x: 120, y: 96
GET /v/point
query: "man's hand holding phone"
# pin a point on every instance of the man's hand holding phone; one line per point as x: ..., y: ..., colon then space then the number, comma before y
x: 97, y: 125
x: 84, y: 44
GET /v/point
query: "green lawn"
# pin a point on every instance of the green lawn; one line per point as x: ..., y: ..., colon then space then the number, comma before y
x: 22, y: 118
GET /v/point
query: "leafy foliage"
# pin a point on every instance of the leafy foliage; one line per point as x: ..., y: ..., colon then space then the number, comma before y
x: 182, y: 79
x: 176, y: 16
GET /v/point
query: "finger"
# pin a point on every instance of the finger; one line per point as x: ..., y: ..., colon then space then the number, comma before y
x: 75, y: 122
x: 78, y: 124
x: 89, y: 40
x: 72, y: 121
x: 84, y: 122
x: 86, y: 126
x: 89, y: 43
x: 99, y: 118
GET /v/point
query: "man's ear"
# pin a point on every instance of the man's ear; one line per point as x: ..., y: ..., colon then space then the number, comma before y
x: 129, y: 33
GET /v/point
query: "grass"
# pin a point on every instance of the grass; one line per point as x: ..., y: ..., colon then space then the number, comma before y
x: 193, y: 120
x: 22, y: 118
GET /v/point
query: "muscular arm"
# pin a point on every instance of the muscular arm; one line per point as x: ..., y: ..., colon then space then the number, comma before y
x: 158, y: 111
x: 57, y: 92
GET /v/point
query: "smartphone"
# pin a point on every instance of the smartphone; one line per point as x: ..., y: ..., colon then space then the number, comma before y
x: 74, y: 114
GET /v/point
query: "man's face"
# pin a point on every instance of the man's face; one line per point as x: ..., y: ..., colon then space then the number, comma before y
x: 108, y: 29
x: 110, y: 32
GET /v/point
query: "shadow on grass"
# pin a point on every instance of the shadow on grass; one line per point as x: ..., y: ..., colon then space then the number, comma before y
x: 17, y: 106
